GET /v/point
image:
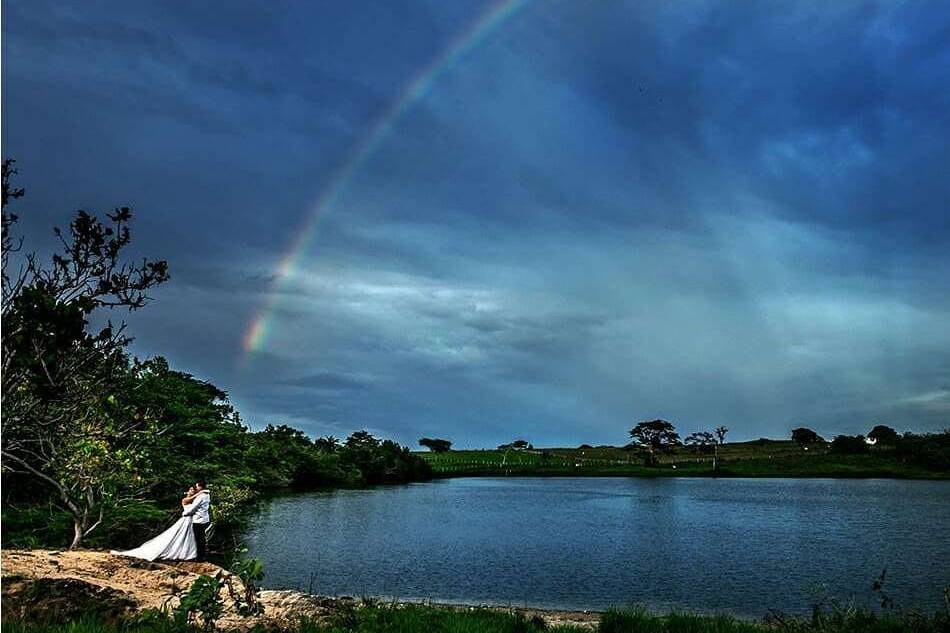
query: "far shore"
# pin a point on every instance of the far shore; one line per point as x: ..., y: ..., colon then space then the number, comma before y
x: 756, y: 459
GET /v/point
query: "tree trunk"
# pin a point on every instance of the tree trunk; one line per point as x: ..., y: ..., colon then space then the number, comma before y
x: 84, y: 522
x: 78, y: 532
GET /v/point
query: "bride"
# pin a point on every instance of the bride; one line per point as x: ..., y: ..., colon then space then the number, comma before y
x: 175, y: 543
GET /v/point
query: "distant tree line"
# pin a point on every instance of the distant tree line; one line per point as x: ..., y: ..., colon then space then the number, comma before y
x: 657, y: 437
x: 653, y: 439
x: 96, y: 443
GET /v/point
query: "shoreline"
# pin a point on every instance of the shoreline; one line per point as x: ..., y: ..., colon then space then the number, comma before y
x: 36, y: 582
x: 49, y: 590
x: 687, y: 475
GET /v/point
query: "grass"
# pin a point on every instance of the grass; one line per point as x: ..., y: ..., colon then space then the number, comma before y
x: 425, y: 619
x: 759, y: 458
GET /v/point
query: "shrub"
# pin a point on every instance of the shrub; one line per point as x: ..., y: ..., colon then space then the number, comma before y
x: 201, y: 603
x: 250, y: 571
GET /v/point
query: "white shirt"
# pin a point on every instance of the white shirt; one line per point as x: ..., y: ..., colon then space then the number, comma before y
x: 198, y: 509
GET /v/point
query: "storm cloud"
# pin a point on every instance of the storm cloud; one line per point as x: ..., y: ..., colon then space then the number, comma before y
x: 713, y: 213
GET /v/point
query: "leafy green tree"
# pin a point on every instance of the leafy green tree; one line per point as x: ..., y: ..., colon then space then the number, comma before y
x: 701, y: 441
x: 327, y: 444
x: 64, y: 425
x: 382, y: 461
x: 201, y: 433
x: 436, y: 445
x: 654, y: 437
x: 849, y: 445
x: 281, y: 456
x: 884, y: 435
x: 805, y: 436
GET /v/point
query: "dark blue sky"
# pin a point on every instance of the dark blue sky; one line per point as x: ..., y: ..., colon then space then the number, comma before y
x: 598, y: 213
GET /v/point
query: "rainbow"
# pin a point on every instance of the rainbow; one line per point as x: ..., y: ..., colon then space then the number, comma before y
x: 415, y: 90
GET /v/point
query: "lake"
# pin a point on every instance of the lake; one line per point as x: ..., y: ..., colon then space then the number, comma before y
x: 737, y: 545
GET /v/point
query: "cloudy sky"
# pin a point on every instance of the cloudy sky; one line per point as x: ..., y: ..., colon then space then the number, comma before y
x: 536, y: 218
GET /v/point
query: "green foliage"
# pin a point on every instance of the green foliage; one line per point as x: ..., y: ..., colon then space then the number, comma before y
x: 250, y: 571
x: 849, y: 445
x: 202, y: 603
x: 654, y: 437
x: 701, y: 441
x: 436, y: 445
x: 352, y: 618
x: 230, y: 501
x: 883, y: 435
x: 424, y: 619
x: 803, y: 436
x: 929, y: 450
x: 925, y: 458
x: 641, y: 621
x: 383, y: 461
x: 65, y: 426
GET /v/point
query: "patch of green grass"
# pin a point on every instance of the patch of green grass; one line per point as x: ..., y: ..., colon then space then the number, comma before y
x: 639, y: 621
x: 431, y: 619
x: 375, y: 619
x: 424, y: 619
x: 759, y: 458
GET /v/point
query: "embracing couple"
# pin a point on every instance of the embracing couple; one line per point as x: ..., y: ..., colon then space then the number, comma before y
x: 187, y: 539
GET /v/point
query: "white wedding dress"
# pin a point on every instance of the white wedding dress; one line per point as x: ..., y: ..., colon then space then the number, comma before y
x: 175, y: 543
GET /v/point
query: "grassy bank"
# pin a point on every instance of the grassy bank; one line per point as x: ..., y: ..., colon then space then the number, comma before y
x: 760, y: 458
x: 424, y: 619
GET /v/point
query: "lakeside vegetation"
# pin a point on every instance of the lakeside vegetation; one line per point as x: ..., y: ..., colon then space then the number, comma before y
x: 383, y: 618
x: 909, y: 457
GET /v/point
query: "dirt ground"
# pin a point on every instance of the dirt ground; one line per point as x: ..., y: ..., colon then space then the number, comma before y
x: 58, y: 584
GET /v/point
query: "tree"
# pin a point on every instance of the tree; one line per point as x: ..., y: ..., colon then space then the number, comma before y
x: 327, y: 444
x: 701, y: 441
x: 884, y: 434
x: 655, y: 436
x: 706, y: 442
x: 382, y: 461
x: 805, y: 436
x: 849, y: 445
x: 65, y: 424
x: 721, y: 434
x: 436, y: 445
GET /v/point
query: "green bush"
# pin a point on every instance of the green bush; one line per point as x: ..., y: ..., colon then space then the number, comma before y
x: 202, y: 603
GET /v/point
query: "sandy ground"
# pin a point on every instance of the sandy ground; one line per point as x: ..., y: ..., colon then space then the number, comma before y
x: 57, y: 581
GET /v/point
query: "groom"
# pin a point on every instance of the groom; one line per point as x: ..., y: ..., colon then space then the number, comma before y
x: 201, y: 518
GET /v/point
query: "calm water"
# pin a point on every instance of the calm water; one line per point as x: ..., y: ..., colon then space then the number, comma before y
x: 737, y: 545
